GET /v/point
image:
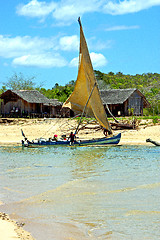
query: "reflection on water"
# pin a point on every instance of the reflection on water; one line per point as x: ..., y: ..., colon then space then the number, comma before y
x: 83, y: 192
x: 86, y: 163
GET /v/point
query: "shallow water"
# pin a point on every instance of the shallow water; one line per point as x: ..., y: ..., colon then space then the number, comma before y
x: 83, y: 192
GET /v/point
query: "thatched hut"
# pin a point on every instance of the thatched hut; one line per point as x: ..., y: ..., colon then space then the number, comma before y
x: 124, y: 102
x: 21, y: 103
x: 53, y: 107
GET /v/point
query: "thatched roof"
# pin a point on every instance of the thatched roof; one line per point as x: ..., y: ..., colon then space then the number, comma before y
x: 31, y: 96
x: 54, y: 102
x: 119, y: 96
x: 116, y: 96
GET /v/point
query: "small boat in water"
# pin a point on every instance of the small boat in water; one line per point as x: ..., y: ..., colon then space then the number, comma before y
x: 95, y: 141
x: 84, y: 100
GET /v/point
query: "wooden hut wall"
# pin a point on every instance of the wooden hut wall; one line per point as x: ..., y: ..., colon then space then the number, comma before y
x: 11, y: 106
x: 1, y: 106
x: 135, y: 102
x: 56, y: 111
x: 53, y: 111
x: 21, y: 106
x: 116, y: 109
x: 27, y: 108
x: 47, y: 109
x: 125, y: 108
x: 14, y: 106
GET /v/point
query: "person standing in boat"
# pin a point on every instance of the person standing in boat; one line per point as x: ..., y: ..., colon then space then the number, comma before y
x: 71, y: 138
x: 106, y: 132
x: 25, y: 142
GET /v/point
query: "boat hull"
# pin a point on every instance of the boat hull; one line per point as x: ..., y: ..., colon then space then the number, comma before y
x: 100, y: 141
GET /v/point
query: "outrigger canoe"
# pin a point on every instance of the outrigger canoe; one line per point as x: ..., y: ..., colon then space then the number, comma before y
x: 85, y: 99
x: 97, y: 141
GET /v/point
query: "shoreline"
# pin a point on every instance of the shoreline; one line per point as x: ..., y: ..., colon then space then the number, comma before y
x: 10, y: 134
x: 121, y: 143
x: 10, y: 230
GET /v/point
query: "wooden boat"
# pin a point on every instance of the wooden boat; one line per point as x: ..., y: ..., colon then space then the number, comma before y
x: 96, y: 141
x: 85, y: 100
x: 153, y: 142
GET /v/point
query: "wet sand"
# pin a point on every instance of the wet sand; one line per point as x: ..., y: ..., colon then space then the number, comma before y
x: 10, y: 230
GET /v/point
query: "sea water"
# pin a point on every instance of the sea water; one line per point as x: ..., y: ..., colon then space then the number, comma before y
x: 83, y: 192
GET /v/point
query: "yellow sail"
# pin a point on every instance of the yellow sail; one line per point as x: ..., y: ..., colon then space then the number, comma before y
x: 86, y: 88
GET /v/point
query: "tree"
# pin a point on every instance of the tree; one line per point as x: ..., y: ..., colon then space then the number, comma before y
x: 56, y: 85
x: 98, y: 75
x: 19, y: 82
x: 3, y: 89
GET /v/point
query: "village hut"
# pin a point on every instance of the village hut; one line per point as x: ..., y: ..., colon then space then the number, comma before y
x: 23, y: 103
x: 53, y: 108
x: 124, y: 102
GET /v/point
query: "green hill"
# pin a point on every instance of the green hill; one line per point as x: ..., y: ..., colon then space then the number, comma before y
x: 148, y: 84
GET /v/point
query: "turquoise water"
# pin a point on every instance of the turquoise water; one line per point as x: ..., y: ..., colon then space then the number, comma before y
x: 83, y: 192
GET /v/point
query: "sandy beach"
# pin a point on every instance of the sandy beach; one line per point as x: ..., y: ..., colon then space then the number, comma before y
x: 35, y: 128
x: 10, y: 134
x: 10, y: 230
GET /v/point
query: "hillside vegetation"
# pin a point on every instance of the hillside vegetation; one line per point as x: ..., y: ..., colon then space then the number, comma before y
x: 147, y: 83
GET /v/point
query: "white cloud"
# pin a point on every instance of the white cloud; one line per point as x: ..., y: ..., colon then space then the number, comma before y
x: 98, y: 60
x: 74, y: 62
x: 128, y: 6
x: 36, y: 8
x: 70, y: 10
x: 39, y: 52
x: 43, y: 52
x: 65, y: 12
x: 69, y: 43
x: 41, y: 60
x: 99, y: 45
x: 17, y: 46
x: 121, y: 27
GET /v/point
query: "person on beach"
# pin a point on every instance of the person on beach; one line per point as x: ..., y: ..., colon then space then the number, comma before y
x: 71, y: 138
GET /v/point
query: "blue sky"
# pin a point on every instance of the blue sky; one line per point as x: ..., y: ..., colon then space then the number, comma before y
x: 41, y: 38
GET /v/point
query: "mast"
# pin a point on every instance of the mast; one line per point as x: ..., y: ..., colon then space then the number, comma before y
x: 79, y: 20
x: 86, y: 95
x: 85, y: 108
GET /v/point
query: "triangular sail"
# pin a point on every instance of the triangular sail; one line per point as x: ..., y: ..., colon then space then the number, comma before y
x: 85, y: 83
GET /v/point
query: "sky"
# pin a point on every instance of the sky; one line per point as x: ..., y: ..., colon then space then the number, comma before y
x: 41, y: 38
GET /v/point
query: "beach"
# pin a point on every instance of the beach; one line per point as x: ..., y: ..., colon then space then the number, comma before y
x: 35, y: 128
x: 10, y: 134
x: 10, y: 230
